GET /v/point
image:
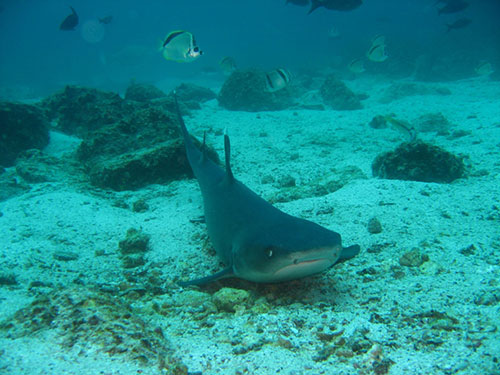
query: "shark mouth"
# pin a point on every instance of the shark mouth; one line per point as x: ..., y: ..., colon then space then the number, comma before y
x: 303, y: 268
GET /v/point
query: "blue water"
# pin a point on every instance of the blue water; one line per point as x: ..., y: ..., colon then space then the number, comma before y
x: 257, y: 33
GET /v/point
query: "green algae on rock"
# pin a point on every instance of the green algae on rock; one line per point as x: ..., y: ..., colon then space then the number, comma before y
x: 419, y: 161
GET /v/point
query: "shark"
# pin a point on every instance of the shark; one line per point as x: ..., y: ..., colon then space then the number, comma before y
x: 256, y: 241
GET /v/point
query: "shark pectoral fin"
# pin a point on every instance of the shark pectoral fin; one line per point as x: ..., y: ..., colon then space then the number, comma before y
x: 227, y: 272
x: 348, y: 253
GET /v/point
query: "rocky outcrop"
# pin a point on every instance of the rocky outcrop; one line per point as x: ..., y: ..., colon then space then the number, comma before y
x: 245, y: 90
x: 23, y: 127
x: 419, y: 161
x: 338, y: 96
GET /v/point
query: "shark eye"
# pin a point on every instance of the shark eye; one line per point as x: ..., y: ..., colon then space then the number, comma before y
x: 269, y: 252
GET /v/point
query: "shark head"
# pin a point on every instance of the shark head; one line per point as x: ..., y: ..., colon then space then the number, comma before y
x: 287, y: 251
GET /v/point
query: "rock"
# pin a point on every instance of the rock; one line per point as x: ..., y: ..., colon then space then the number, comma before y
x: 419, y: 161
x: 85, y: 317
x: 374, y: 226
x: 127, y: 144
x: 338, y: 96
x: 245, y: 90
x: 65, y: 256
x: 378, y: 122
x: 79, y: 110
x: 133, y: 261
x: 432, y: 122
x: 140, y: 205
x: 23, y: 127
x: 188, y: 92
x: 286, y: 181
x: 8, y: 279
x: 488, y: 297
x: 141, y: 92
x: 134, y: 242
x: 413, y: 258
x: 227, y: 299
x: 191, y: 298
x: 141, y: 149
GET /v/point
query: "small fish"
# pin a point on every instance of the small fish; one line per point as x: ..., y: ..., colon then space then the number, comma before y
x: 70, y: 22
x: 377, y: 53
x: 378, y: 40
x: 341, y: 5
x: 301, y: 3
x: 453, y: 6
x: 228, y: 65
x: 458, y: 24
x: 357, y: 66
x: 106, y: 20
x: 277, y: 79
x: 180, y: 46
x: 403, y: 126
x: 484, y: 68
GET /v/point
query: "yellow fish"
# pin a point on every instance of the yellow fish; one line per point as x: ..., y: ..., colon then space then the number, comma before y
x: 377, y: 53
x: 180, y: 46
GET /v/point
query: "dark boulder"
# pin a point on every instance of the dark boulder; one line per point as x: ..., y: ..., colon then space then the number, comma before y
x: 338, y: 96
x: 141, y: 92
x: 22, y: 127
x: 79, y: 110
x: 419, y: 161
x: 143, y: 148
x: 245, y: 90
x: 188, y: 92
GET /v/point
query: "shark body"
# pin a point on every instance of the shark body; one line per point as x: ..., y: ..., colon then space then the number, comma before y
x: 255, y: 240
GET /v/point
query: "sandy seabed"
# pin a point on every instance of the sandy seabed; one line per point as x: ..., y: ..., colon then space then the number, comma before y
x: 368, y: 315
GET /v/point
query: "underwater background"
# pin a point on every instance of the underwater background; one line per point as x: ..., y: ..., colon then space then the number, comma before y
x: 257, y: 33
x: 380, y: 122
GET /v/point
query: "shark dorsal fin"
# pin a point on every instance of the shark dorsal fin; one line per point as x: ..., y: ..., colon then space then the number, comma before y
x: 227, y: 153
x: 204, y: 146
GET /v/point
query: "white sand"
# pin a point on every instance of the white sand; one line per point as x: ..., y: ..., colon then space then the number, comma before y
x: 439, y: 219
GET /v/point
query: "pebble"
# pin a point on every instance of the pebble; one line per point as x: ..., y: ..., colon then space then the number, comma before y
x: 429, y: 268
x: 374, y: 226
x: 413, y: 258
x: 65, y: 256
x: 227, y: 299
